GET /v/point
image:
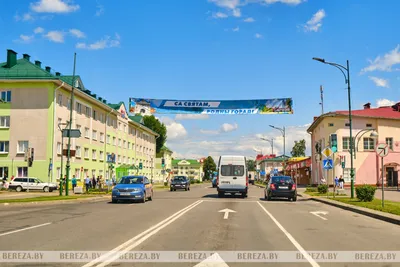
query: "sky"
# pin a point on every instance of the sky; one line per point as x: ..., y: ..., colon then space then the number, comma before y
x: 217, y: 50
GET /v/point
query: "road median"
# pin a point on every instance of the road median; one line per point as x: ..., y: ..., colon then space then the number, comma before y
x: 390, y: 213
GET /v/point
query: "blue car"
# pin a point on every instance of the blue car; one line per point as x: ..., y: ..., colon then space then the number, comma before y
x: 133, y: 188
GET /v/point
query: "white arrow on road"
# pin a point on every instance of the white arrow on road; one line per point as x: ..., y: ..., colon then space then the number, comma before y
x: 317, y: 213
x: 226, y: 211
x: 214, y: 260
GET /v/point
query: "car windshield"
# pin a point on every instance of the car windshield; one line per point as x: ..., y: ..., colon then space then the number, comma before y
x: 38, y: 180
x: 179, y: 179
x: 281, y: 179
x: 131, y: 180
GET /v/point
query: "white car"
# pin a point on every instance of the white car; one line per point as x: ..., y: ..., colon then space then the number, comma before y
x: 24, y: 183
x: 232, y: 176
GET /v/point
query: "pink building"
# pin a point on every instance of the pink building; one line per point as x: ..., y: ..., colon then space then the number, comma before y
x: 370, y: 127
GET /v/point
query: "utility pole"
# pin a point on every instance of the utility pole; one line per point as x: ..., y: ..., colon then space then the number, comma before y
x: 322, y: 99
x: 68, y: 167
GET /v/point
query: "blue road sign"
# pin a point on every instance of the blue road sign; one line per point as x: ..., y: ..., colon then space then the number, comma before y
x: 262, y: 173
x: 327, y: 164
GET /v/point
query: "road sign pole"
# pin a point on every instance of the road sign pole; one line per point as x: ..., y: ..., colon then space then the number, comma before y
x: 383, y: 198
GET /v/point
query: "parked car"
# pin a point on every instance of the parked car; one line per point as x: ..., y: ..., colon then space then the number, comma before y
x: 179, y: 182
x: 31, y: 183
x: 214, y: 182
x: 134, y: 188
x: 282, y: 187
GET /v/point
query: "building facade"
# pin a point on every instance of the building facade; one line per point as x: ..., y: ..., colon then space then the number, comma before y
x: 383, y: 121
x: 35, y: 108
x: 163, y: 172
x: 191, y: 168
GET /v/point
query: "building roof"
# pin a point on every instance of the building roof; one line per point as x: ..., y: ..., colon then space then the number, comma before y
x: 164, y: 148
x: 24, y: 69
x: 276, y: 159
x: 116, y: 106
x: 387, y: 112
x: 190, y: 161
x: 137, y: 118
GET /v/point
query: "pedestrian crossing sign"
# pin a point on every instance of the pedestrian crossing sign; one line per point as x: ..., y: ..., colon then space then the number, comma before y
x: 328, y: 164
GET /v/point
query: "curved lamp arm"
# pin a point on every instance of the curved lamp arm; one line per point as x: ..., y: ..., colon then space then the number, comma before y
x: 355, y: 138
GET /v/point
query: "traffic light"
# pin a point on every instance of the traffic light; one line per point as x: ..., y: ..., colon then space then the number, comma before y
x: 162, y: 162
x: 333, y: 141
x: 140, y: 165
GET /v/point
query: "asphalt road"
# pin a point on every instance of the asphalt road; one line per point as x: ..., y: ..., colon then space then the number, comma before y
x: 193, y: 221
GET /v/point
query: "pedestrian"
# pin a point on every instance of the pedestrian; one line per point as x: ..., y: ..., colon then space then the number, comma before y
x: 87, y: 183
x: 336, y: 182
x: 341, y: 182
x: 98, y: 182
x: 74, y: 182
x: 94, y: 182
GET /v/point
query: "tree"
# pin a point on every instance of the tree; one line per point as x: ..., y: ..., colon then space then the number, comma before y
x: 155, y: 125
x: 209, y: 166
x: 251, y: 165
x: 299, y: 149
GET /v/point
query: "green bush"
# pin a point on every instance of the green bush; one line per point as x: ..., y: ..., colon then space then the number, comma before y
x: 198, y: 181
x: 165, y: 183
x: 192, y: 181
x: 311, y: 189
x: 322, y: 189
x: 365, y: 193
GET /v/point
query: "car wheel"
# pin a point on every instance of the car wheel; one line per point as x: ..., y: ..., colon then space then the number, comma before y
x: 268, y: 197
x: 46, y: 189
x: 189, y: 188
x: 144, y: 198
x: 265, y: 197
x: 18, y: 189
x: 294, y: 199
x: 151, y: 196
x: 220, y: 195
x: 186, y: 189
x: 170, y: 189
x: 51, y: 190
x: 114, y: 201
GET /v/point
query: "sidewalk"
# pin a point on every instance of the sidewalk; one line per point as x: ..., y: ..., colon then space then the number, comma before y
x: 20, y: 195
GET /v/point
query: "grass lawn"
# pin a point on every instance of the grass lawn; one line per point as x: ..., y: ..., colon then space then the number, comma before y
x: 376, y: 204
x: 316, y: 194
x: 43, y: 198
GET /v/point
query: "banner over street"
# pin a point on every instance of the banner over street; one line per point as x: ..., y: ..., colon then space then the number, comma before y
x: 235, y: 107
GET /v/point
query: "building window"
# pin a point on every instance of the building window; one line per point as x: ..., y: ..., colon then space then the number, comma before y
x: 124, y: 128
x: 78, y: 151
x: 60, y: 99
x: 129, y: 145
x: 124, y: 144
x: 368, y: 125
x: 68, y: 103
x: 389, y: 142
x: 93, y: 173
x: 59, y: 148
x: 87, y: 132
x: 5, y: 121
x: 115, y: 124
x: 119, y: 142
x: 94, y: 115
x: 94, y: 154
x: 123, y: 159
x: 114, y: 141
x: 22, y: 146
x: 119, y: 126
x: 102, y: 137
x: 108, y: 139
x: 369, y: 143
x: 128, y: 160
x: 78, y: 127
x: 4, y: 147
x: 58, y: 174
x: 86, y: 153
x: 330, y: 124
x: 94, y: 135
x: 78, y: 173
x: 347, y: 124
x: 346, y: 143
x: 119, y: 159
x: 346, y: 175
x: 22, y: 172
x: 78, y: 108
x: 101, y: 156
x: 88, y: 111
x: 6, y: 96
x: 101, y: 117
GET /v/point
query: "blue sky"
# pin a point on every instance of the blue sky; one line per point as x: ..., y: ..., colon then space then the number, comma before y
x: 216, y: 49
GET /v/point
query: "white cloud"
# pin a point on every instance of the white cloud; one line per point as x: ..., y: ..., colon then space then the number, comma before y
x: 24, y: 17
x: 53, y: 6
x: 38, y: 30
x: 105, y: 42
x: 220, y: 15
x: 230, y: 4
x: 226, y: 127
x: 237, y: 13
x: 77, y: 33
x: 384, y: 102
x: 100, y: 10
x: 315, y: 23
x: 258, y: 36
x: 55, y: 36
x: 191, y: 117
x: 379, y: 81
x: 288, y: 2
x: 235, y: 29
x: 175, y: 130
x: 249, y: 20
x: 386, y: 62
x: 25, y: 38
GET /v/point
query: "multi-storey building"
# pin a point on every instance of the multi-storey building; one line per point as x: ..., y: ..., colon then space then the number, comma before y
x: 370, y: 127
x: 163, y: 172
x: 35, y: 105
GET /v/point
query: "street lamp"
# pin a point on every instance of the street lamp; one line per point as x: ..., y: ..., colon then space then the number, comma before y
x: 374, y: 134
x: 271, y: 141
x: 283, y: 131
x: 345, y: 70
x: 62, y: 152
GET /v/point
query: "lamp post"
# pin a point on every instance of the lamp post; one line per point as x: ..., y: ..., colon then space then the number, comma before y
x: 68, y: 167
x: 345, y: 70
x: 374, y: 134
x: 283, y: 131
x: 271, y: 141
x: 62, y: 154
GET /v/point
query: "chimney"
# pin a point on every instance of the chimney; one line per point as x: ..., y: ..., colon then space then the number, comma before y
x: 38, y: 63
x: 105, y: 101
x: 11, y: 58
x: 26, y: 56
x: 94, y: 95
x: 88, y: 92
x: 100, y: 99
x: 315, y: 118
x: 48, y: 69
x: 367, y: 106
x: 396, y: 107
x: 58, y: 74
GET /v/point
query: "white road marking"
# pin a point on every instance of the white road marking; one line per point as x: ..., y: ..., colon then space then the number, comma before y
x: 226, y: 213
x: 291, y: 238
x: 24, y: 229
x: 317, y: 213
x: 140, y: 238
x: 214, y: 260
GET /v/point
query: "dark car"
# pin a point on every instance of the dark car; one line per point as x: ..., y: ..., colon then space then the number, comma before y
x: 281, y: 187
x: 180, y: 182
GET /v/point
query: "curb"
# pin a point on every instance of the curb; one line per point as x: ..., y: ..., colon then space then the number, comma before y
x: 67, y: 201
x: 387, y: 217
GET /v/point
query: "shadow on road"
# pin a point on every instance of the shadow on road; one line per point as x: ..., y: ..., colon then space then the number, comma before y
x: 284, y: 200
x: 226, y: 196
